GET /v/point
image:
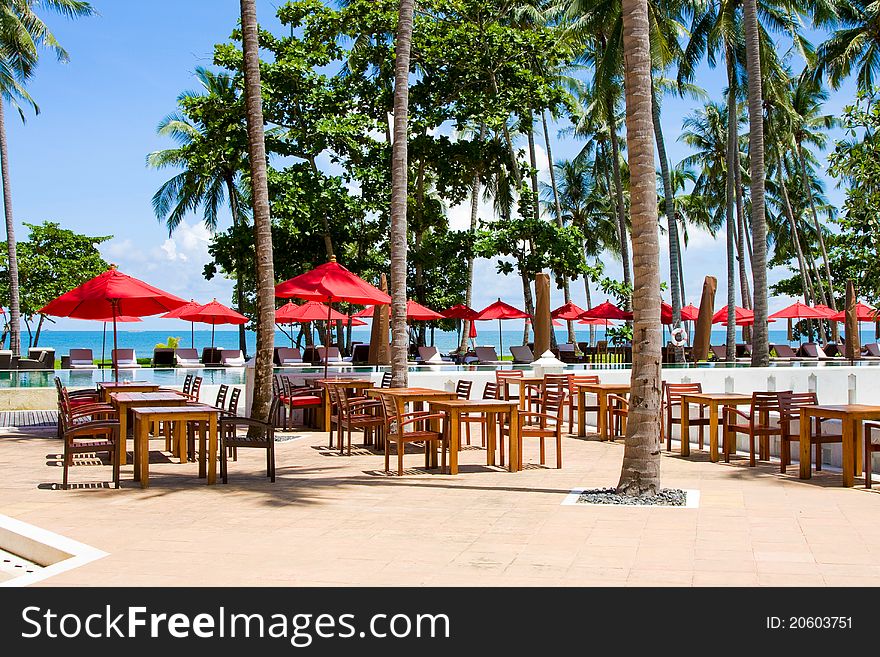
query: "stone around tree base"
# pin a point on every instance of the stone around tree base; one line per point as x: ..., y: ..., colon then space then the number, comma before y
x: 667, y: 497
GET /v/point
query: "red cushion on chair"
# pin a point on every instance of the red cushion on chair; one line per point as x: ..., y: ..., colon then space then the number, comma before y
x: 304, y: 400
x: 82, y: 402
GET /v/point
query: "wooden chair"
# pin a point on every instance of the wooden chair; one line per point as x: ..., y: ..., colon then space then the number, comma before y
x: 790, y: 404
x: 259, y: 434
x: 672, y: 393
x: 187, y: 383
x: 541, y: 425
x: 490, y: 391
x: 396, y: 422
x: 757, y: 425
x: 502, y: 377
x: 192, y: 427
x: 302, y: 398
x: 573, y: 381
x: 463, y: 389
x: 386, y: 380
x: 618, y: 413
x: 88, y: 429
x: 357, y: 413
x: 195, y: 389
x: 870, y: 448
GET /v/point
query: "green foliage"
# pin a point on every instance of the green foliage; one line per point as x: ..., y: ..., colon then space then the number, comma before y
x: 856, y: 160
x: 170, y: 343
x: 52, y: 261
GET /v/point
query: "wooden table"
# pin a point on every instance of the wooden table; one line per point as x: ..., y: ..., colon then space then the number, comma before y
x: 404, y: 396
x: 601, y: 390
x: 851, y: 417
x: 350, y: 384
x: 714, y: 400
x: 179, y: 416
x: 524, y: 383
x: 108, y: 387
x: 492, y: 408
x: 125, y: 401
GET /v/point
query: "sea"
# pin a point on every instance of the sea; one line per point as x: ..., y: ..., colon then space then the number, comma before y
x: 143, y: 342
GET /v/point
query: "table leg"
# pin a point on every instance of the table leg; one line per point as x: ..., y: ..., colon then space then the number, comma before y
x: 857, y: 448
x: 602, y: 420
x: 582, y: 412
x: 123, y: 432
x: 203, y: 459
x: 513, y: 434
x: 142, y: 438
x: 212, y: 448
x: 713, y: 433
x: 685, y: 448
x: 804, y: 446
x: 848, y: 455
x: 178, y: 433
x: 491, y: 431
x: 434, y: 425
x: 454, y: 437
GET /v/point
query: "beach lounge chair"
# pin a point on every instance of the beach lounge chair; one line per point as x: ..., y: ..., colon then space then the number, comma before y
x: 211, y: 355
x: 330, y: 354
x: 871, y: 351
x: 5, y: 359
x: 82, y: 359
x: 46, y: 361
x: 289, y: 356
x: 34, y: 353
x: 124, y: 359
x: 163, y: 357
x: 783, y: 352
x: 187, y: 358
x: 487, y: 356
x: 720, y: 353
x: 522, y: 355
x: 812, y: 351
x: 432, y: 355
x: 232, y: 358
x: 360, y: 353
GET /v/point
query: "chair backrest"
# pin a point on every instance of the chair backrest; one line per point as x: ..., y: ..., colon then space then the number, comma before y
x: 552, y: 405
x: 330, y: 354
x: 463, y: 389
x: 791, y: 402
x: 389, y: 411
x: 233, y: 356
x: 187, y: 383
x: 522, y: 354
x: 556, y: 383
x: 674, y: 391
x: 502, y: 376
x: 290, y: 354
x: 812, y: 350
x: 490, y: 390
x: 386, y: 380
x: 196, y: 387
x: 486, y: 354
x: 719, y: 351
x: 430, y: 355
x: 276, y: 384
x: 575, y: 379
x: 783, y: 351
x: 81, y: 354
x: 123, y: 356
x: 763, y: 402
x: 221, y: 396
x: 187, y: 354
x: 873, y: 349
x: 233, y: 401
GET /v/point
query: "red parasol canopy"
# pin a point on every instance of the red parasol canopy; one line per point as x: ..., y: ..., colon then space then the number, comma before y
x: 460, y: 311
x: 798, y: 310
x: 594, y: 322
x: 366, y: 312
x: 188, y: 307
x: 331, y: 282
x: 567, y: 312
x: 356, y: 322
x: 864, y: 313
x: 121, y: 318
x: 310, y: 311
x: 112, y: 294
x: 825, y: 310
x: 742, y: 316
x: 417, y: 311
x: 214, y: 313
x: 501, y: 310
x: 606, y: 310
x: 690, y: 312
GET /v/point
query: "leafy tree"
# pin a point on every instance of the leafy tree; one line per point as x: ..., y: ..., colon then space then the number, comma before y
x: 52, y: 261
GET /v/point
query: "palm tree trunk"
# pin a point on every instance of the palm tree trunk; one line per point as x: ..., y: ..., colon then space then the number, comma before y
x: 640, y: 472
x: 469, y: 294
x: 12, y: 251
x: 760, y: 342
x: 729, y: 202
x: 809, y: 292
x: 533, y: 161
x: 399, y: 185
x: 262, y: 216
x: 743, y: 222
x: 589, y: 305
x: 829, y: 279
x: 672, y: 224
x: 239, y: 266
x: 618, y: 193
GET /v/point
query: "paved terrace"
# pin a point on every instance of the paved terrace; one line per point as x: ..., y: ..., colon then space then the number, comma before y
x: 334, y: 520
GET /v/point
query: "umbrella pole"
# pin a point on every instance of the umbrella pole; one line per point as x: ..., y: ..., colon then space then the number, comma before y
x: 327, y: 338
x: 192, y: 335
x: 103, y: 345
x: 115, y: 362
x: 500, y: 342
x: 212, y: 336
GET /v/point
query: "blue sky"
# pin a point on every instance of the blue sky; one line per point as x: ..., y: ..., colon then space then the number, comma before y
x: 81, y: 162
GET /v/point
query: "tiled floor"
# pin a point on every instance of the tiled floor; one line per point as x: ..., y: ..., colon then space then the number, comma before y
x: 338, y: 520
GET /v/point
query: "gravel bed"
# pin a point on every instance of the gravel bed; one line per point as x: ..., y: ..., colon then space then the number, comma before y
x: 666, y: 497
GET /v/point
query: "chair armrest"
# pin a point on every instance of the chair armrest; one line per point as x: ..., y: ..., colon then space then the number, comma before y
x: 91, y: 409
x: 421, y: 417
x: 547, y: 416
x: 365, y: 403
x: 729, y: 410
x: 90, y: 428
x: 238, y: 420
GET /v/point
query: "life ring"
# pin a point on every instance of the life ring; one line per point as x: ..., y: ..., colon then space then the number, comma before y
x: 679, y: 336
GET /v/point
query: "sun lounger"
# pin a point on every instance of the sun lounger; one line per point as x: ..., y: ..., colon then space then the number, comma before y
x: 784, y: 353
x: 431, y: 355
x: 124, y: 359
x: 82, y: 359
x: 871, y: 350
x: 522, y: 355
x: 487, y: 356
x: 360, y: 353
x: 5, y: 359
x: 46, y: 361
x: 187, y: 358
x: 332, y: 355
x: 232, y: 358
x: 812, y: 351
x: 288, y: 356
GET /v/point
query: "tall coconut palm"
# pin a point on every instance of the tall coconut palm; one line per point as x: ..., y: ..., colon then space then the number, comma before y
x: 262, y: 215
x: 854, y: 47
x: 399, y: 186
x: 640, y: 471
x: 211, y: 175
x: 22, y: 35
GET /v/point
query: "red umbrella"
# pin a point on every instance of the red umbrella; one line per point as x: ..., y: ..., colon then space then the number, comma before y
x: 690, y: 312
x: 798, y: 310
x: 214, y: 313
x: 175, y: 314
x: 742, y: 316
x: 366, y: 312
x: 825, y: 310
x: 863, y: 314
x: 594, y: 322
x: 606, y: 310
x: 459, y: 311
x: 417, y: 311
x: 112, y: 294
x: 310, y: 311
x: 500, y: 310
x: 331, y: 282
x: 569, y: 311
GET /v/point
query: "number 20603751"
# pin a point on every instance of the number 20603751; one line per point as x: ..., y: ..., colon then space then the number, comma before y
x: 809, y: 622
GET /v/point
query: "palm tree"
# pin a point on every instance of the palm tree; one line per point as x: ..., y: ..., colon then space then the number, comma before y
x: 640, y: 472
x: 399, y: 187
x: 211, y: 174
x: 22, y: 34
x: 854, y: 47
x: 262, y: 398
